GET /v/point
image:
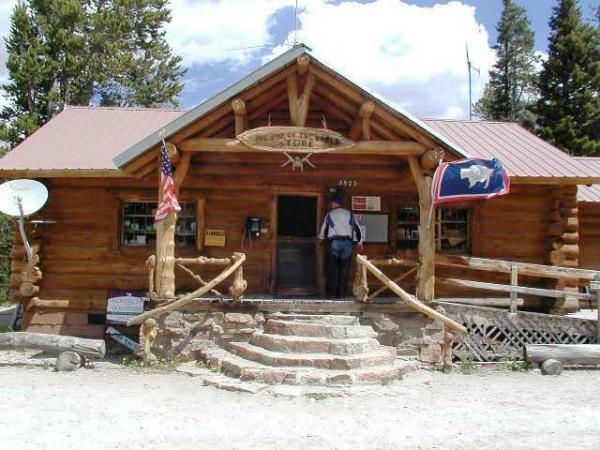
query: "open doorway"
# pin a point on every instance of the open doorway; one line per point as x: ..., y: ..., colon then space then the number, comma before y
x: 297, y: 245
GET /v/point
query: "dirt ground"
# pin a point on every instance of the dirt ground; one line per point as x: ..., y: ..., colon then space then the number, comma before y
x: 119, y: 408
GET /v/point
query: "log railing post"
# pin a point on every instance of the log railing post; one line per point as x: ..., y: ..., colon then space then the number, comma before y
x: 360, y: 287
x: 514, y: 281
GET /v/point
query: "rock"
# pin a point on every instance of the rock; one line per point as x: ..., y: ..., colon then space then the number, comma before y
x: 239, y: 318
x: 69, y: 361
x: 385, y: 325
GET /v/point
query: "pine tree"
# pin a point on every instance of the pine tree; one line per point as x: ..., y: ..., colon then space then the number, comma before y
x: 82, y: 52
x: 569, y: 106
x: 509, y: 92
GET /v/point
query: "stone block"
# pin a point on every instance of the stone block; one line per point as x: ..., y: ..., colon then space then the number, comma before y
x: 385, y: 325
x: 240, y: 319
x: 431, y: 354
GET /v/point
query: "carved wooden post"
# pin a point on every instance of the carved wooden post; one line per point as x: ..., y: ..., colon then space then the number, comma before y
x: 241, y: 119
x: 426, y: 273
x: 239, y: 284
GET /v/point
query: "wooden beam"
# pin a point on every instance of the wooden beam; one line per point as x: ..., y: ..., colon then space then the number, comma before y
x: 397, y: 148
x: 182, y: 170
x: 303, y: 64
x: 304, y: 100
x: 241, y: 118
x: 292, y: 88
x: 362, y: 124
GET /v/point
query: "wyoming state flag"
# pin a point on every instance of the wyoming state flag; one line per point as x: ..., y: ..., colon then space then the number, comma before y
x: 469, y: 179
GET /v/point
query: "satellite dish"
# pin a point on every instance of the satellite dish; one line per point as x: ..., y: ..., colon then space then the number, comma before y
x: 31, y: 195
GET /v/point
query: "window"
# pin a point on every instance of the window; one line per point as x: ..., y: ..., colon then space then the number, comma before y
x: 452, y: 229
x: 138, y: 227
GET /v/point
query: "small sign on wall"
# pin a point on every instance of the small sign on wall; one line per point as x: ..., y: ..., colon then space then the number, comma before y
x: 214, y: 238
x: 363, y: 203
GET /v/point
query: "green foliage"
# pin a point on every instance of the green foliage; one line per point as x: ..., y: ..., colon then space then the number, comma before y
x: 513, y: 365
x: 162, y: 365
x: 6, y: 240
x: 569, y: 107
x: 509, y: 93
x: 82, y: 52
x: 467, y: 366
x: 5, y: 329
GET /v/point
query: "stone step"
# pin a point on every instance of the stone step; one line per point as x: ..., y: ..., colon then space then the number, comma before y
x: 380, y: 357
x: 315, y: 329
x: 302, y: 344
x: 238, y: 367
x: 330, y: 319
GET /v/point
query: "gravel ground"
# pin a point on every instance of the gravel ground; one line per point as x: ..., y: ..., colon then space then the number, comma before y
x: 120, y: 408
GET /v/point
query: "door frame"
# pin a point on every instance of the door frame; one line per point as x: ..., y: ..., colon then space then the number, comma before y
x: 320, y: 266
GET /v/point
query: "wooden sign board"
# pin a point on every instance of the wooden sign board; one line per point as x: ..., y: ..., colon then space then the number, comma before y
x: 214, y: 238
x: 121, y: 306
x: 294, y: 139
x: 362, y: 203
x: 122, y: 339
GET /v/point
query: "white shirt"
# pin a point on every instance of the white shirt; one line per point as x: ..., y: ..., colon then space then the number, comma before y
x: 342, y: 224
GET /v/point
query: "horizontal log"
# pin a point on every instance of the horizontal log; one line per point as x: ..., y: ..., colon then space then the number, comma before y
x: 70, y: 304
x: 518, y: 289
x: 204, y: 260
x: 490, y: 302
x: 402, y: 148
x: 567, y: 354
x: 90, y: 348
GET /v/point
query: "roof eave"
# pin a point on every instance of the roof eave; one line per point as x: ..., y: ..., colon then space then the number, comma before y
x: 63, y: 173
x: 572, y: 180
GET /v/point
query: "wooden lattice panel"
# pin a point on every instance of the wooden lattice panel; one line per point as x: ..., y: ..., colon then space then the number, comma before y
x: 495, y: 334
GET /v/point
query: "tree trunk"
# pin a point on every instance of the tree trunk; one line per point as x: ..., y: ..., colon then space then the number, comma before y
x: 90, y: 348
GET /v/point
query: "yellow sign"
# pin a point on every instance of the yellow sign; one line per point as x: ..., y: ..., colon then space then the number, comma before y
x: 214, y: 238
x: 294, y: 139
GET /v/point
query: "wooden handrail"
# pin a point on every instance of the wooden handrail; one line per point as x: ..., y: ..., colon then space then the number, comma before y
x: 238, y: 259
x: 412, y: 301
x: 517, y: 289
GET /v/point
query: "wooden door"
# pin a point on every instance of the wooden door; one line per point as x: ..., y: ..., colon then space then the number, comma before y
x: 297, y: 245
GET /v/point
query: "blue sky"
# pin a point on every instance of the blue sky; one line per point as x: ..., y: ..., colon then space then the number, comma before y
x: 411, y: 52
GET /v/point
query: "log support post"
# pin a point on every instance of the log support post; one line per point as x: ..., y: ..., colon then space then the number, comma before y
x: 564, y: 243
x: 426, y: 271
x: 360, y: 287
x: 164, y: 271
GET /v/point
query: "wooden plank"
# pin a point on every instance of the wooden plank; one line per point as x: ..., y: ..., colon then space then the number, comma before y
x: 519, y: 289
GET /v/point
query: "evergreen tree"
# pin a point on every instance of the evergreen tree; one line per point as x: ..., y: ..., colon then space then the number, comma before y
x: 82, y: 52
x: 508, y: 94
x: 569, y: 107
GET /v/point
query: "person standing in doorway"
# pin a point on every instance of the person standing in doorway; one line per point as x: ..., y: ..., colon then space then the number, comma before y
x: 340, y: 228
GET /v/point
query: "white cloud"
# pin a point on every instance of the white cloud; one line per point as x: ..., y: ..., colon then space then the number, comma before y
x: 207, y: 31
x: 414, y: 56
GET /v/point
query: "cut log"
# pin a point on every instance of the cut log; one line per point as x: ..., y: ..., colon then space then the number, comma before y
x: 90, y: 348
x: 551, y: 367
x: 566, y: 354
x: 69, y: 361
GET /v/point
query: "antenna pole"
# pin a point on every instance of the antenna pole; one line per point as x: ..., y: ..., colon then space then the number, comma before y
x: 296, y: 24
x: 470, y: 85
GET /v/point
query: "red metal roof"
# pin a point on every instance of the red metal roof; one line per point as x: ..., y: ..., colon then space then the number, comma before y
x: 522, y: 153
x: 589, y: 194
x: 86, y: 138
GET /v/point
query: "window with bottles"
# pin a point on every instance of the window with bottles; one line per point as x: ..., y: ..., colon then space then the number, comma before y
x: 138, y: 228
x: 452, y: 229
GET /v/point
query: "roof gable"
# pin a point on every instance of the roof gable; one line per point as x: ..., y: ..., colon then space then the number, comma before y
x: 404, y: 122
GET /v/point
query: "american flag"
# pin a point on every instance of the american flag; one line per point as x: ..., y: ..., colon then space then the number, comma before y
x: 169, y: 201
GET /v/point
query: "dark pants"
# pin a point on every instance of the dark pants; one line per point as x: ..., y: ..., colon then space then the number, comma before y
x: 338, y: 267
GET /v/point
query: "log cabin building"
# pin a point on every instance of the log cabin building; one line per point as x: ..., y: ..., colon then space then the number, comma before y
x: 101, y: 167
x: 589, y: 219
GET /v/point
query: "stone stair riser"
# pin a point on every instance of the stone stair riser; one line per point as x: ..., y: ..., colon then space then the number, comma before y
x: 278, y: 343
x: 317, y: 318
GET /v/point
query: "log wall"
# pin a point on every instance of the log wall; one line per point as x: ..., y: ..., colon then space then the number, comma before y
x: 589, y: 235
x: 83, y: 258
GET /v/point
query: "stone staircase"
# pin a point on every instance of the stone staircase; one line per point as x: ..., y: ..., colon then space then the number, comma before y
x: 307, y: 349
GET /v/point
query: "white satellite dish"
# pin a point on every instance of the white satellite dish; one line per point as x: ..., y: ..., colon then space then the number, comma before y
x: 31, y: 195
x: 22, y: 198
